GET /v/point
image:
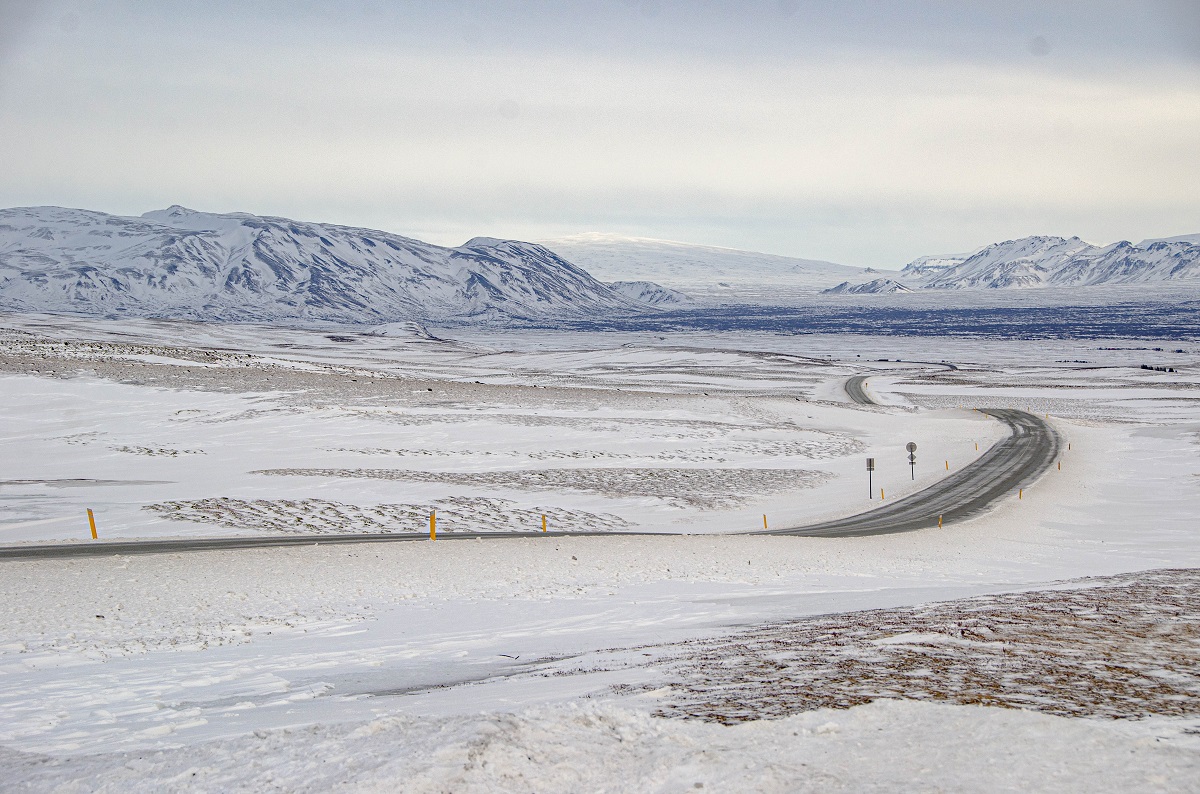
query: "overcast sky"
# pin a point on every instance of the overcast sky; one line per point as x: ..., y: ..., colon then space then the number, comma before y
x: 866, y: 133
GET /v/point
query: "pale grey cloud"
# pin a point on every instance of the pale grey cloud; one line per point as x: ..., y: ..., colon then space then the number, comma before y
x: 859, y: 132
x: 16, y: 18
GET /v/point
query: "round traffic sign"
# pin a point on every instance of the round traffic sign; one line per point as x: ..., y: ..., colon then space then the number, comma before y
x: 911, y: 446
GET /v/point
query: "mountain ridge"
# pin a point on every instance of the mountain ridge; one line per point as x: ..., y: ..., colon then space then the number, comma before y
x: 1045, y: 261
x: 183, y: 263
x: 186, y: 264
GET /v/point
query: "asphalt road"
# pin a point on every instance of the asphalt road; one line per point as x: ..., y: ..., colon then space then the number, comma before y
x: 103, y: 548
x: 856, y: 385
x: 856, y: 391
x: 1011, y: 464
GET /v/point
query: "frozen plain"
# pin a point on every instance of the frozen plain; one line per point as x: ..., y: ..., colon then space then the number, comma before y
x: 472, y: 664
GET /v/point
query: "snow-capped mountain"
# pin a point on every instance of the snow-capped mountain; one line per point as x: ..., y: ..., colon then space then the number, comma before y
x: 880, y: 286
x: 700, y: 271
x: 1059, y: 261
x: 197, y: 265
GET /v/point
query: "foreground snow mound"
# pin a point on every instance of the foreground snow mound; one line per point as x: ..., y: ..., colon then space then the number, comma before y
x: 1059, y: 261
x: 196, y: 265
x: 889, y: 745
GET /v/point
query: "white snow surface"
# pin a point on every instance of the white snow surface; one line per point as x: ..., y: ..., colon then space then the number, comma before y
x: 473, y: 665
x: 886, y: 745
x: 186, y: 264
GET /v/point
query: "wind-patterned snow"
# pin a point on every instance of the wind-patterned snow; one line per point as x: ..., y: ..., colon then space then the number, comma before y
x: 711, y: 489
x: 884, y: 746
x: 318, y: 516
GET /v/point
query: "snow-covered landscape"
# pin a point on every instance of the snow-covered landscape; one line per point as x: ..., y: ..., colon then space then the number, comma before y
x: 619, y: 659
x: 609, y: 396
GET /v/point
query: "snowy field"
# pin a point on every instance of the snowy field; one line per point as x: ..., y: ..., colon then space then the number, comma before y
x: 689, y: 657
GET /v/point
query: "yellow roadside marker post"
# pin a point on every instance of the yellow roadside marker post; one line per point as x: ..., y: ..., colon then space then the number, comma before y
x: 543, y: 522
x: 92, y: 522
x: 1020, y: 493
x: 939, y: 522
x: 764, y: 520
x: 947, y: 465
x: 881, y: 494
x: 433, y: 525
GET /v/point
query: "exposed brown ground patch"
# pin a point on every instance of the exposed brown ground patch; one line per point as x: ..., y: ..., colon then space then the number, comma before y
x: 1122, y: 647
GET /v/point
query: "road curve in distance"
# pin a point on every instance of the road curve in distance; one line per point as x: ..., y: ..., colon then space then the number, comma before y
x: 856, y: 390
x: 1011, y: 464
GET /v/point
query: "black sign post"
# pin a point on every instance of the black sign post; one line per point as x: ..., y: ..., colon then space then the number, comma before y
x: 912, y: 458
x: 870, y: 485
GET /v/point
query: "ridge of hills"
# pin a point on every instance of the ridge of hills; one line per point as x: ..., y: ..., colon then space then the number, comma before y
x: 239, y: 267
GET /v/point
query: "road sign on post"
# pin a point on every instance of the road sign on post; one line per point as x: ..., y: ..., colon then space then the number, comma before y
x: 870, y: 485
x: 911, y: 446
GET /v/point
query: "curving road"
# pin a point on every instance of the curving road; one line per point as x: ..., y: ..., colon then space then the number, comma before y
x: 856, y: 390
x: 1008, y: 466
x: 1011, y: 464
